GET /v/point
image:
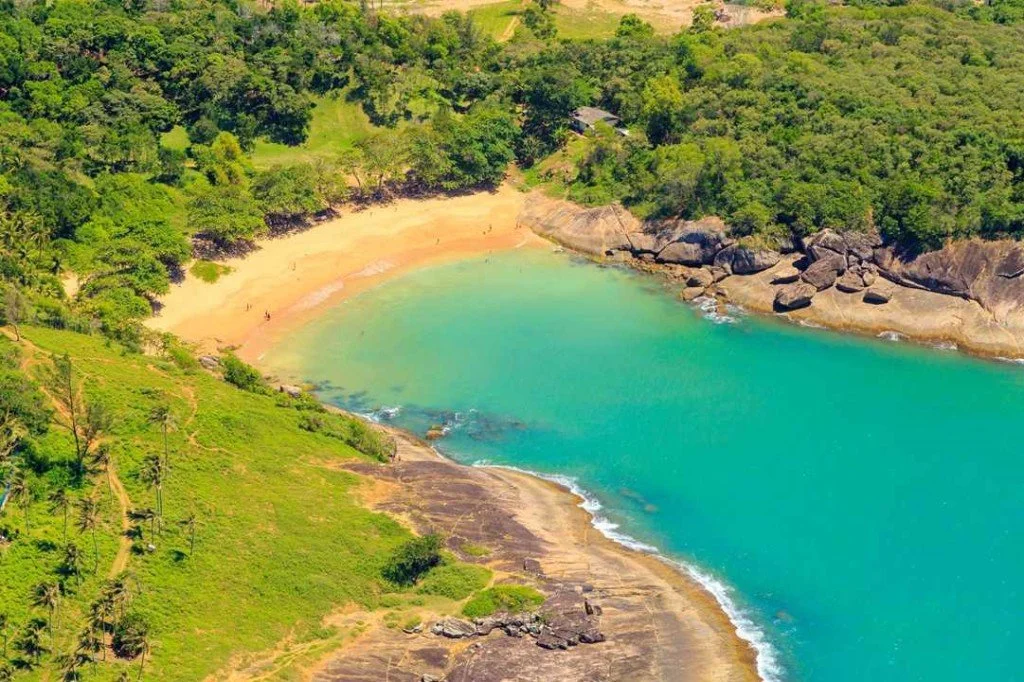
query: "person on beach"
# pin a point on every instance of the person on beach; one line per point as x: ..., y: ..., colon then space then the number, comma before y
x: 266, y: 315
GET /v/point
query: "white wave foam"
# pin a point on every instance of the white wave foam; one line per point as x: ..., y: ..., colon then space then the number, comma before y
x: 382, y: 414
x: 375, y: 268
x: 319, y: 296
x: 892, y: 336
x: 709, y: 306
x: 1013, y: 361
x: 769, y: 668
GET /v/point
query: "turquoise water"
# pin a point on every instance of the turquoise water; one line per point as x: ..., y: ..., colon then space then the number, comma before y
x: 861, y: 498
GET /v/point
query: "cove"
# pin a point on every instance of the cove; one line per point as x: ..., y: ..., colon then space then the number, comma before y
x: 861, y: 498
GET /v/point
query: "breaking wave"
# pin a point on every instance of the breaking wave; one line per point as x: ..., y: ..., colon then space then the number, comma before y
x: 769, y: 668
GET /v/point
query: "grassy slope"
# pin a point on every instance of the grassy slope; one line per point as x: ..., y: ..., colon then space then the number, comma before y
x: 337, y: 124
x: 280, y: 542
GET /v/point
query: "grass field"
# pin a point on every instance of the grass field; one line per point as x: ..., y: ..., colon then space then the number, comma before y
x: 337, y: 124
x: 280, y: 539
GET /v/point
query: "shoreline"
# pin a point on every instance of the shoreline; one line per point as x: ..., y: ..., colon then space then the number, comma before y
x: 295, y: 277
x: 766, y: 658
x: 564, y: 515
x: 298, y: 276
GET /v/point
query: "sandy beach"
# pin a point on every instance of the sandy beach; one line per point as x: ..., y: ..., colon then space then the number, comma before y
x: 294, y: 277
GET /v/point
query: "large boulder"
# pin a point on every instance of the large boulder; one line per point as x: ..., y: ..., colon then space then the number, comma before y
x: 852, y: 247
x: 596, y: 231
x: 740, y: 260
x: 454, y: 628
x: 694, y: 242
x: 850, y: 282
x: 701, y: 277
x: 878, y: 295
x: 793, y: 296
x: 821, y: 274
x: 825, y: 244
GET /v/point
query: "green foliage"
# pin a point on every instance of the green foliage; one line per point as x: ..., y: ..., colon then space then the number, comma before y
x: 242, y: 375
x: 280, y: 538
x: 454, y: 581
x: 506, y: 598
x: 907, y: 119
x: 286, y: 192
x: 225, y: 214
x: 208, y: 270
x: 413, y: 559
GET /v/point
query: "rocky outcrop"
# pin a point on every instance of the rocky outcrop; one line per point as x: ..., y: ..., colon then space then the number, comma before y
x: 595, y: 231
x: 822, y: 273
x: 793, y: 296
x: 740, y: 260
x: 988, y: 272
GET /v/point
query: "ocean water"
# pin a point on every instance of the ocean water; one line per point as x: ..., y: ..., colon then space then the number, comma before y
x: 857, y: 503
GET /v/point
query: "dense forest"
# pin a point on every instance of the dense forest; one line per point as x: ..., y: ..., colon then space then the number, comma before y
x: 905, y: 118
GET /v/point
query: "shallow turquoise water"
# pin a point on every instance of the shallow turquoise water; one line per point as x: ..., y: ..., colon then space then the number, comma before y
x: 861, y: 497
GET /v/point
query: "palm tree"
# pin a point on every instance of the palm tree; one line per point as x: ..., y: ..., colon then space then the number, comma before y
x: 153, y: 473
x: 118, y: 592
x: 70, y: 665
x: 31, y: 641
x: 47, y: 595
x: 143, y: 515
x: 62, y: 383
x: 162, y: 416
x: 89, y: 519
x: 96, y: 629
x: 143, y: 648
x: 73, y: 560
x: 21, y: 493
x: 61, y: 502
x: 3, y: 632
x: 100, y: 459
x: 190, y: 522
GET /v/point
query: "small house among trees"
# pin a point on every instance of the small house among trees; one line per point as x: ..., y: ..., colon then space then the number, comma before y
x: 585, y: 118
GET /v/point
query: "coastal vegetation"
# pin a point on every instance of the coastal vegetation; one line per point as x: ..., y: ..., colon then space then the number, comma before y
x: 136, y: 138
x: 176, y: 532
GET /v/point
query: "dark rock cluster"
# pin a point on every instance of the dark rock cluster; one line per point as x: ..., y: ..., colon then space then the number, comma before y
x: 560, y: 625
x: 855, y: 263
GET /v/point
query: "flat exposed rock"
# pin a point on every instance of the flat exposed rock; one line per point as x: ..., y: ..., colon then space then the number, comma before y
x: 454, y: 628
x: 793, y: 296
x: 785, y: 275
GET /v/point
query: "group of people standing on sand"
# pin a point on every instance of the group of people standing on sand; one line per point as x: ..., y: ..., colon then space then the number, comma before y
x: 266, y: 313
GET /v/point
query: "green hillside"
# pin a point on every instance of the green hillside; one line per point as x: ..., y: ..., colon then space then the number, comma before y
x: 280, y: 540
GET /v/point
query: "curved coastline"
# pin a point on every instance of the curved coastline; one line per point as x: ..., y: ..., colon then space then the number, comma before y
x: 769, y: 667
x: 300, y: 275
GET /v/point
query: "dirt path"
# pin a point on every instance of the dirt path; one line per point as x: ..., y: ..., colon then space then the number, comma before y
x: 30, y: 359
x: 124, y: 547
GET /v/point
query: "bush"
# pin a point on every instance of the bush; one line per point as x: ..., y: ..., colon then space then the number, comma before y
x: 454, y: 581
x: 130, y: 635
x: 245, y: 377
x: 412, y: 559
x: 508, y: 598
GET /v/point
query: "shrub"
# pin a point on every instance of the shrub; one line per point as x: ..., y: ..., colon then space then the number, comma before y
x: 130, y: 635
x: 454, y: 581
x: 413, y: 558
x: 245, y: 377
x: 509, y: 598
